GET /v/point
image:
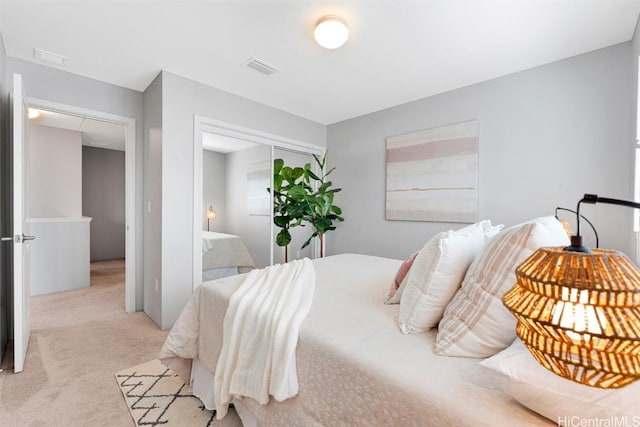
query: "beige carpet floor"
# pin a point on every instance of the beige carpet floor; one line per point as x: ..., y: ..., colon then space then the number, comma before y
x: 79, y: 340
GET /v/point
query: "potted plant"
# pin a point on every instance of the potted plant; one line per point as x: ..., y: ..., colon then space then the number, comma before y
x: 320, y: 211
x: 300, y: 195
x: 288, y: 201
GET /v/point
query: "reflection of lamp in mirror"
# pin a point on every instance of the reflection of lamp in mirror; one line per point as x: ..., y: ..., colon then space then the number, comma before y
x: 211, y: 215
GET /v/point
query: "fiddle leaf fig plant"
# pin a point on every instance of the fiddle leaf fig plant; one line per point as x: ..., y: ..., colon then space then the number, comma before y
x: 320, y: 212
x: 288, y: 195
x: 300, y: 195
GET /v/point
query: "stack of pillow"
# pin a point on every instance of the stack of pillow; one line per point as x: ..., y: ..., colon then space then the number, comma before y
x: 456, y: 282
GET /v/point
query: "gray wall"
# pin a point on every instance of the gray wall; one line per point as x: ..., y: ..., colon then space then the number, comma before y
x: 71, y: 89
x: 214, y: 191
x: 153, y: 199
x: 547, y: 136
x: 5, y: 229
x: 253, y: 229
x: 181, y: 100
x: 103, y: 199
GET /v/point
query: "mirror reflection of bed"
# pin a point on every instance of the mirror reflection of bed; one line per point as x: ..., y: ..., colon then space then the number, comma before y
x: 236, y: 174
x: 224, y: 255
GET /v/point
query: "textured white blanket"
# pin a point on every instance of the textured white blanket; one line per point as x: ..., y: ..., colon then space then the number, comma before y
x: 258, y: 356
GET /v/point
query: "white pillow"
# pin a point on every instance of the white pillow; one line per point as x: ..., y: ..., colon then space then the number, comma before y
x: 560, y: 399
x: 476, y: 323
x: 436, y: 274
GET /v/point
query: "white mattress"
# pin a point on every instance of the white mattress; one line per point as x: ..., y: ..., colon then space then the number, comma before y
x: 354, y: 366
x: 220, y: 250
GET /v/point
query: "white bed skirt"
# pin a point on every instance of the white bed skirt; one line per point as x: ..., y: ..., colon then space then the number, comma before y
x: 201, y: 385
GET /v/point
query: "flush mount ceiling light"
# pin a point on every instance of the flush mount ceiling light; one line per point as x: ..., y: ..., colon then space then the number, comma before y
x: 33, y: 113
x: 331, y: 32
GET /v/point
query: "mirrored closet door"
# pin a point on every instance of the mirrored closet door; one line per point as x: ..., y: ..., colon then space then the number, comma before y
x: 236, y: 216
x: 233, y: 218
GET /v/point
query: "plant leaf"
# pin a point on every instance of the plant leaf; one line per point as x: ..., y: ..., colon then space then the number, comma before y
x: 281, y: 221
x: 277, y: 181
x: 277, y: 166
x: 283, y: 238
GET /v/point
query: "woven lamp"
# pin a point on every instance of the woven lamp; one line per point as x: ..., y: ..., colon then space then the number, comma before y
x: 579, y: 314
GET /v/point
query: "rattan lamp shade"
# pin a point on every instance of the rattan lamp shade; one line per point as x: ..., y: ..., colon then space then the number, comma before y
x: 579, y: 314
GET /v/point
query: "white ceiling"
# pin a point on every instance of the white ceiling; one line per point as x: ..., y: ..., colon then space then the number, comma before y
x: 398, y: 51
x: 95, y: 133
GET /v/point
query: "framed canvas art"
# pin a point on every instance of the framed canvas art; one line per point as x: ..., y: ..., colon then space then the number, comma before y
x: 432, y: 175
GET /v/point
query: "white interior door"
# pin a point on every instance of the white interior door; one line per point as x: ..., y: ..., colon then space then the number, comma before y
x: 21, y: 237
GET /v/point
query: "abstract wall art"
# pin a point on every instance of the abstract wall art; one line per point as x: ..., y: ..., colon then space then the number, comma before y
x: 432, y: 175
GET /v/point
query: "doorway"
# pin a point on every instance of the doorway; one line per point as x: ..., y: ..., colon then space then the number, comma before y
x: 101, y: 124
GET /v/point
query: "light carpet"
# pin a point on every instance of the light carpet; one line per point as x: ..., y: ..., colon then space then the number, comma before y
x: 79, y: 339
x: 156, y: 396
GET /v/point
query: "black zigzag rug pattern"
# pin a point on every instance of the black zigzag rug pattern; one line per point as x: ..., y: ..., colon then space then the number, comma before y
x: 156, y: 396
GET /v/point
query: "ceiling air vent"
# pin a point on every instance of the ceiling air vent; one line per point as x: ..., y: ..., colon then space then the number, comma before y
x: 54, y: 58
x: 260, y: 66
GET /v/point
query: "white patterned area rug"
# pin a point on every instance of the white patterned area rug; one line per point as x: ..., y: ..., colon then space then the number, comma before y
x: 156, y: 396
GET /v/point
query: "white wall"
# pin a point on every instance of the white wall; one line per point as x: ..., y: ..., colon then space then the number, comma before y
x: 253, y: 229
x: 71, y: 89
x: 55, y: 172
x: 547, y: 136
x: 214, y: 191
x: 60, y: 255
x: 181, y: 99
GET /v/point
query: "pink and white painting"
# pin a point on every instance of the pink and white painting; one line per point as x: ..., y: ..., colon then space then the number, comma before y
x: 432, y: 175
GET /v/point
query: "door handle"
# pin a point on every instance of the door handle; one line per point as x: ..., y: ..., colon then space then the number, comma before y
x: 17, y: 238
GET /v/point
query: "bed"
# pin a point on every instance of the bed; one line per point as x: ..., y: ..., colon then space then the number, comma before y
x: 224, y: 255
x: 354, y: 366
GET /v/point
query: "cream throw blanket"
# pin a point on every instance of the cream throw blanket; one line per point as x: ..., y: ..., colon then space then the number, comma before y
x: 258, y: 356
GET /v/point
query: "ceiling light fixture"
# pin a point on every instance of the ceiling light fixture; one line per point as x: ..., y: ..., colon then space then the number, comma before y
x: 331, y: 32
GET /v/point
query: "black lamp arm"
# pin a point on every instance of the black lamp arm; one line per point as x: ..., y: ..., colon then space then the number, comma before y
x: 595, y: 232
x: 593, y: 199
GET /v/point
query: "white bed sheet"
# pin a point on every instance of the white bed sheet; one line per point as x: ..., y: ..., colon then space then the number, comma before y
x: 221, y: 250
x: 355, y: 367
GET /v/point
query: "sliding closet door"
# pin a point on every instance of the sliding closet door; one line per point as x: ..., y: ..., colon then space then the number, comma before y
x: 248, y: 203
x: 298, y: 234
